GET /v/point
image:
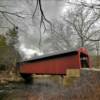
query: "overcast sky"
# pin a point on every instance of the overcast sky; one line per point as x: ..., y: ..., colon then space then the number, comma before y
x: 29, y: 38
x: 53, y: 9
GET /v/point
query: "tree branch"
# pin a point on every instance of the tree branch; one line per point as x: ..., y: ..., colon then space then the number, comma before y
x: 35, y: 9
x: 11, y: 13
x: 8, y: 19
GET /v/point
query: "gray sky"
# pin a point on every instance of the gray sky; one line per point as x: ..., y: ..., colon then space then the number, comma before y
x: 29, y: 38
x: 53, y: 9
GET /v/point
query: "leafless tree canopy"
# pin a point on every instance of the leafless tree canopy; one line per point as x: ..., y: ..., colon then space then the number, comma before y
x: 38, y: 6
x: 79, y: 27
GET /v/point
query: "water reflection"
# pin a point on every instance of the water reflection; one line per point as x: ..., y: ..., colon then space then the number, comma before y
x: 87, y: 86
x: 21, y: 91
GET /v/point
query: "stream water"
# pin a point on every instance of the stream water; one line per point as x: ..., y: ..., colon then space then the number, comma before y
x: 87, y: 86
x: 22, y: 91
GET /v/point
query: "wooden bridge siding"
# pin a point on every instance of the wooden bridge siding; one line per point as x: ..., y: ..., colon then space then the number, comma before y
x: 51, y: 66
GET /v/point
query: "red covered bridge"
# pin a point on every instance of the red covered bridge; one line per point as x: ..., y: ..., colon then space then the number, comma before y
x: 55, y: 64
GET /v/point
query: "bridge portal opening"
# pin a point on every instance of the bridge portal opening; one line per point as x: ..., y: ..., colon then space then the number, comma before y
x: 84, y: 60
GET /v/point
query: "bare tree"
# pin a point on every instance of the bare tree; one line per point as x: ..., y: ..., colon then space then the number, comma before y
x: 6, y: 13
x: 97, y: 48
x: 60, y: 38
x: 93, y: 4
x: 12, y: 17
x: 38, y: 15
x: 84, y: 23
x: 91, y: 36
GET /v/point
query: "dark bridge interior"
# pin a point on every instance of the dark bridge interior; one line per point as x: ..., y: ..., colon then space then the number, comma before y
x: 84, y: 60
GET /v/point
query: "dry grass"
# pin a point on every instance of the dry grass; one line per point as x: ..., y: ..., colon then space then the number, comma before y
x: 96, y: 61
x: 87, y: 87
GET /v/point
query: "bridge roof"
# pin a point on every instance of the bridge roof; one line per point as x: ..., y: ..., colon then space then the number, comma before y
x: 55, y: 55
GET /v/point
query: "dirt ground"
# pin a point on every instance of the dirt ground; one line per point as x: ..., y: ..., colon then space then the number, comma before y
x: 87, y: 87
